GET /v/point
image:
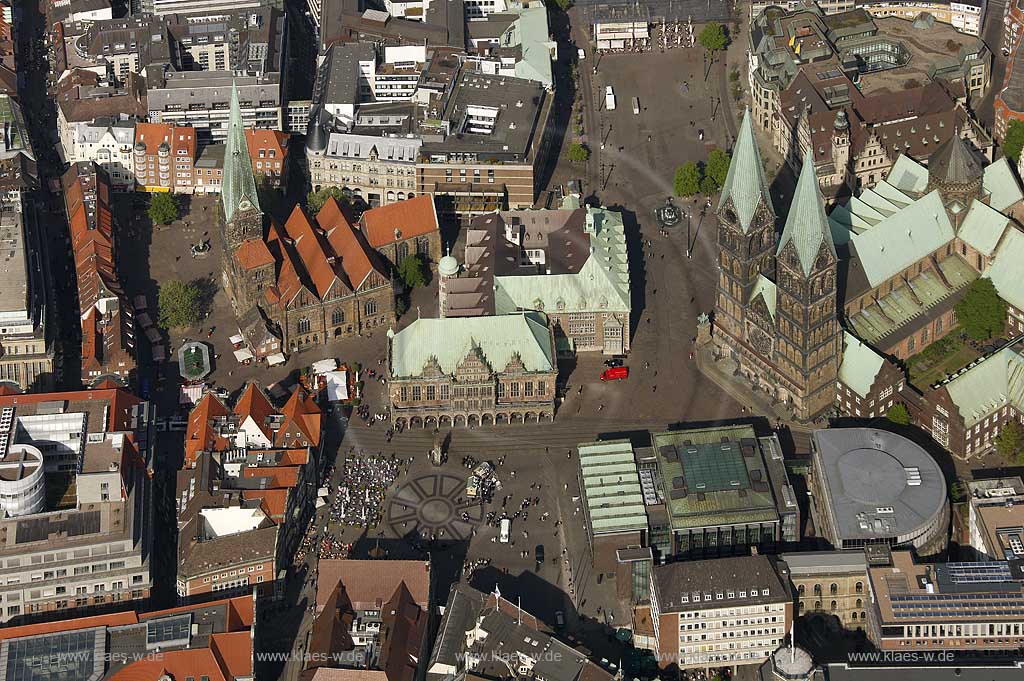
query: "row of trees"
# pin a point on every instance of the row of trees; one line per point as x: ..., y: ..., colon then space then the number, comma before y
x: 707, y: 178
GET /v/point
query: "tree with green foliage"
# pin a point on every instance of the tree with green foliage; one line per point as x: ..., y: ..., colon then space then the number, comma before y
x: 713, y: 38
x: 899, y: 414
x: 163, y: 209
x: 412, y: 271
x: 1010, y: 441
x: 1014, y: 140
x: 981, y: 312
x: 708, y: 186
x: 717, y: 167
x: 578, y: 153
x: 316, y: 200
x: 180, y: 304
x: 687, y: 180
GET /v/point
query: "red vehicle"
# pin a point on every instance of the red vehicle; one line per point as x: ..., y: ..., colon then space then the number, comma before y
x: 615, y: 374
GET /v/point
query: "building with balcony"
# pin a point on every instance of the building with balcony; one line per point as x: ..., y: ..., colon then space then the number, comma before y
x: 372, y: 615
x: 995, y: 522
x: 77, y: 502
x: 164, y: 156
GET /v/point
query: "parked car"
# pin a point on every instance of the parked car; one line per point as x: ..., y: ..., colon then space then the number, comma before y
x: 615, y: 362
x: 581, y: 53
x: 615, y: 374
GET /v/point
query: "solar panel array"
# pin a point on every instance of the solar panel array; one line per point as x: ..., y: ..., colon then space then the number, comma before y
x: 979, y: 573
x: 65, y: 656
x: 957, y: 605
x: 166, y: 630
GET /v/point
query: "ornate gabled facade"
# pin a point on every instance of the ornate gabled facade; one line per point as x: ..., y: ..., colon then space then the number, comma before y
x: 472, y: 371
x: 775, y: 313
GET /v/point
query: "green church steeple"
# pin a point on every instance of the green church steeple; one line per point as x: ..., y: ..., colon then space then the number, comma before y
x: 238, y: 188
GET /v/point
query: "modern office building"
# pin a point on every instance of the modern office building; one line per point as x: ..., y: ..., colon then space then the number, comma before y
x: 77, y: 502
x: 724, y: 490
x: 718, y: 613
x: 976, y: 607
x: 995, y: 523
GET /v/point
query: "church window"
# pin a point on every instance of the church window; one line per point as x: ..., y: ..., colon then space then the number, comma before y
x: 303, y: 325
x: 370, y: 307
x: 401, y: 252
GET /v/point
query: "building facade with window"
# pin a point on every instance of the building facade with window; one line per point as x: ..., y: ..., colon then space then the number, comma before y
x: 381, y: 170
x: 90, y: 547
x: 832, y: 583
x: 715, y: 613
x: 472, y: 371
x: 570, y: 264
x: 947, y: 606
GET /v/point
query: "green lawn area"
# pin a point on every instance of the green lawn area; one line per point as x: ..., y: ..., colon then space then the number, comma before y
x: 932, y: 365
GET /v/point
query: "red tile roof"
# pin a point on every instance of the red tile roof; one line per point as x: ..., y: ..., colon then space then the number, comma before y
x: 254, y: 403
x: 270, y: 140
x: 280, y: 476
x: 310, y: 249
x: 302, y: 415
x: 349, y: 244
x: 254, y: 253
x: 412, y: 218
x: 201, y: 435
x: 373, y: 581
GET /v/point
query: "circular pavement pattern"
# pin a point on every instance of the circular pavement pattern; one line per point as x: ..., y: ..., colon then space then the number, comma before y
x: 430, y: 505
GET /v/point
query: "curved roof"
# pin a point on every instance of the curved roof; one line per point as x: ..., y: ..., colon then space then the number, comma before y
x: 880, y: 485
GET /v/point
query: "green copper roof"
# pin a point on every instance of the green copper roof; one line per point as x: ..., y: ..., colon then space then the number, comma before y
x: 722, y: 485
x: 860, y: 365
x: 989, y: 385
x: 745, y: 184
x: 806, y: 225
x: 536, y: 48
x: 1001, y: 185
x: 238, y: 188
x: 611, y: 487
x: 982, y: 227
x: 1005, y: 270
x: 908, y: 175
x: 602, y: 284
x: 903, y: 238
x: 911, y: 300
x: 450, y: 340
x: 765, y: 288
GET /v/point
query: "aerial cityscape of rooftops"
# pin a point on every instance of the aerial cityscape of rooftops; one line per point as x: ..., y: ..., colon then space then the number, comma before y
x: 512, y: 340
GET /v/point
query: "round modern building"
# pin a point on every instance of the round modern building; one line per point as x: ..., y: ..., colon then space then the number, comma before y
x: 875, y: 487
x: 22, y: 484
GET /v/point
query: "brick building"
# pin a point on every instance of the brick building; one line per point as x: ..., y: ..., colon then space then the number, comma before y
x: 108, y: 321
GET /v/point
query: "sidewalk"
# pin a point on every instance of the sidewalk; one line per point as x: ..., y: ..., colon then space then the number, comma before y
x: 722, y: 372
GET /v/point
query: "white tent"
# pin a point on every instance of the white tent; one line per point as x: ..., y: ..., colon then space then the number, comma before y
x: 325, y: 365
x: 242, y: 354
x: 191, y: 394
x: 337, y: 385
x: 275, y: 359
x: 237, y: 339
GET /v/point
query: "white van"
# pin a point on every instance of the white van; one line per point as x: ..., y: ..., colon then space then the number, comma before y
x: 636, y: 106
x: 504, y: 529
x: 609, y: 98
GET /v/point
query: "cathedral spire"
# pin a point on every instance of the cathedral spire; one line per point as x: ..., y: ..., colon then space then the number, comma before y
x: 238, y: 189
x: 806, y: 225
x: 745, y: 185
